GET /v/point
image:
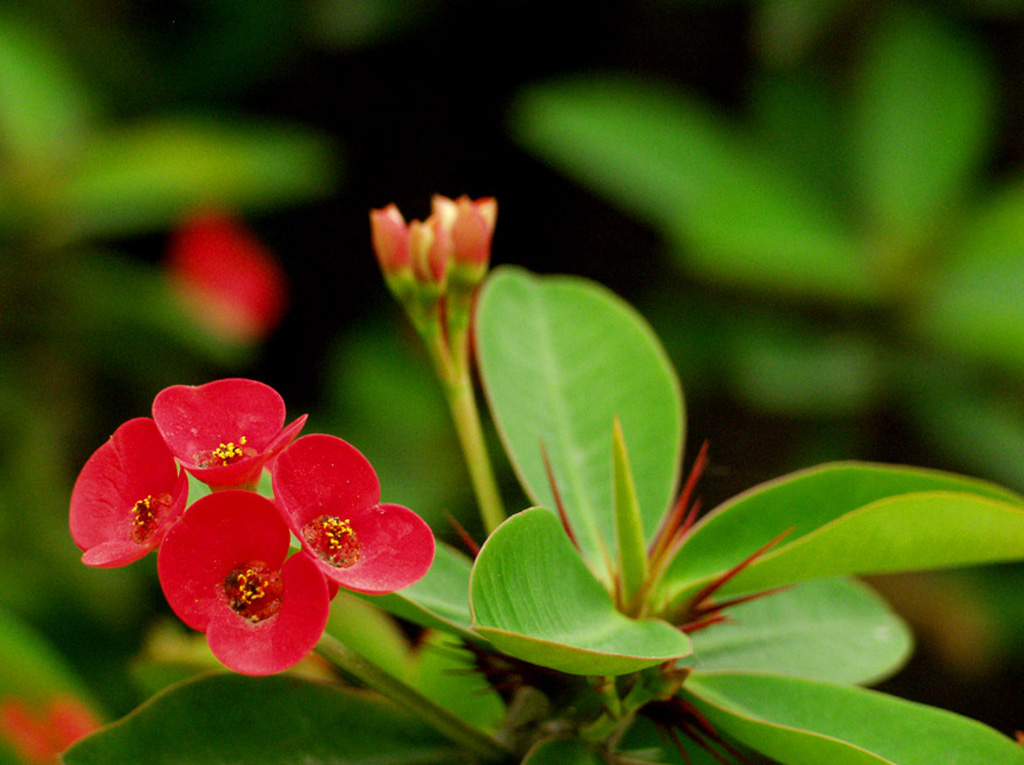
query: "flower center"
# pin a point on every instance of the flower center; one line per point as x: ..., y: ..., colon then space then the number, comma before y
x: 254, y: 591
x: 146, y: 516
x: 333, y: 539
x: 225, y: 454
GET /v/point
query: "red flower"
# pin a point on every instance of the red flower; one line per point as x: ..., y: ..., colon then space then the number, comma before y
x: 39, y: 734
x: 224, y: 432
x: 330, y: 496
x: 127, y: 496
x: 231, y: 281
x: 223, y: 571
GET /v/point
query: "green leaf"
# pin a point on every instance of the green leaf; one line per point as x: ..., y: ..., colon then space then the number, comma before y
x: 629, y: 532
x: 44, y: 111
x: 805, y: 722
x: 534, y: 598
x: 227, y: 718
x: 737, y: 214
x: 836, y: 630
x: 859, y: 516
x: 921, y: 121
x: 440, y: 600
x: 148, y: 175
x: 560, y: 359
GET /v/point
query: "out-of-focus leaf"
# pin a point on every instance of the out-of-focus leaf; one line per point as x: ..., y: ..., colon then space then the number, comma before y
x: 29, y: 668
x: 850, y: 517
x: 534, y: 598
x: 798, y: 370
x: 921, y: 122
x: 562, y: 751
x: 227, y: 718
x: 972, y: 303
x: 445, y: 672
x: 805, y: 722
x: 785, y: 29
x: 148, y: 175
x: 836, y: 630
x: 736, y: 214
x: 44, y: 111
x: 560, y: 359
x: 355, y: 24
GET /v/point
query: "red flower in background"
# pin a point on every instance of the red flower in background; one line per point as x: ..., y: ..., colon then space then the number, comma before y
x: 232, y: 282
x: 224, y: 432
x: 127, y: 496
x: 223, y: 571
x: 330, y: 496
x: 39, y: 734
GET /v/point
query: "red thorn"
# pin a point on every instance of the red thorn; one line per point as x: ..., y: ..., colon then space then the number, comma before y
x: 739, y: 600
x: 558, y: 497
x: 731, y: 573
x: 467, y: 540
x: 707, y: 621
x: 678, y: 518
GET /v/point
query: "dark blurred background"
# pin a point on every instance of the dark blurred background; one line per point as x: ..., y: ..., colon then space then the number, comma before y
x: 818, y: 204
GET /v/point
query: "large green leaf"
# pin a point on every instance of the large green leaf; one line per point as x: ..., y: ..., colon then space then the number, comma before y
x: 440, y: 599
x: 148, y: 175
x: 921, y: 121
x: 534, y: 598
x: 846, y: 518
x: 805, y: 722
x: 227, y: 718
x: 737, y: 214
x: 837, y: 630
x: 563, y: 751
x: 561, y: 358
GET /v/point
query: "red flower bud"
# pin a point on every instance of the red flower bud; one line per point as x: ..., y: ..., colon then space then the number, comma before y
x: 472, y: 231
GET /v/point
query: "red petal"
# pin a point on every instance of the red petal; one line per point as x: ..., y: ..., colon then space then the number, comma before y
x: 280, y: 642
x: 195, y: 420
x: 396, y: 549
x: 323, y: 475
x: 218, y: 533
x: 133, y: 464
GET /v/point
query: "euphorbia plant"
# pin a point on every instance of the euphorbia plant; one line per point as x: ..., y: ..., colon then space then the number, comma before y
x: 608, y: 623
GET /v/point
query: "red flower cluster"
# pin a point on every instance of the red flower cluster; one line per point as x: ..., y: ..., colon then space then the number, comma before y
x: 224, y: 563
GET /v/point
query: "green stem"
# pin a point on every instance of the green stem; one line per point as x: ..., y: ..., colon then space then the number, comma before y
x: 448, y: 724
x: 462, y: 402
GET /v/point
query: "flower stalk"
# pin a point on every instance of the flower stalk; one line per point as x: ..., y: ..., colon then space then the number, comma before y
x: 445, y: 722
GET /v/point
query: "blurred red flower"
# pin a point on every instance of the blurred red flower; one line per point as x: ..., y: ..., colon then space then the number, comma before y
x: 39, y: 734
x: 127, y: 496
x: 330, y: 496
x: 227, y: 277
x: 225, y: 431
x: 223, y: 571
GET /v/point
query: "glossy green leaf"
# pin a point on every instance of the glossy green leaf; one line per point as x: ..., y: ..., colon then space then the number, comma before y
x: 737, y: 214
x: 148, y: 175
x: 227, y: 718
x: 440, y: 599
x: 534, y: 598
x: 850, y: 517
x: 836, y: 630
x: 629, y: 531
x: 921, y: 121
x: 805, y: 722
x: 560, y: 359
x: 44, y: 110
